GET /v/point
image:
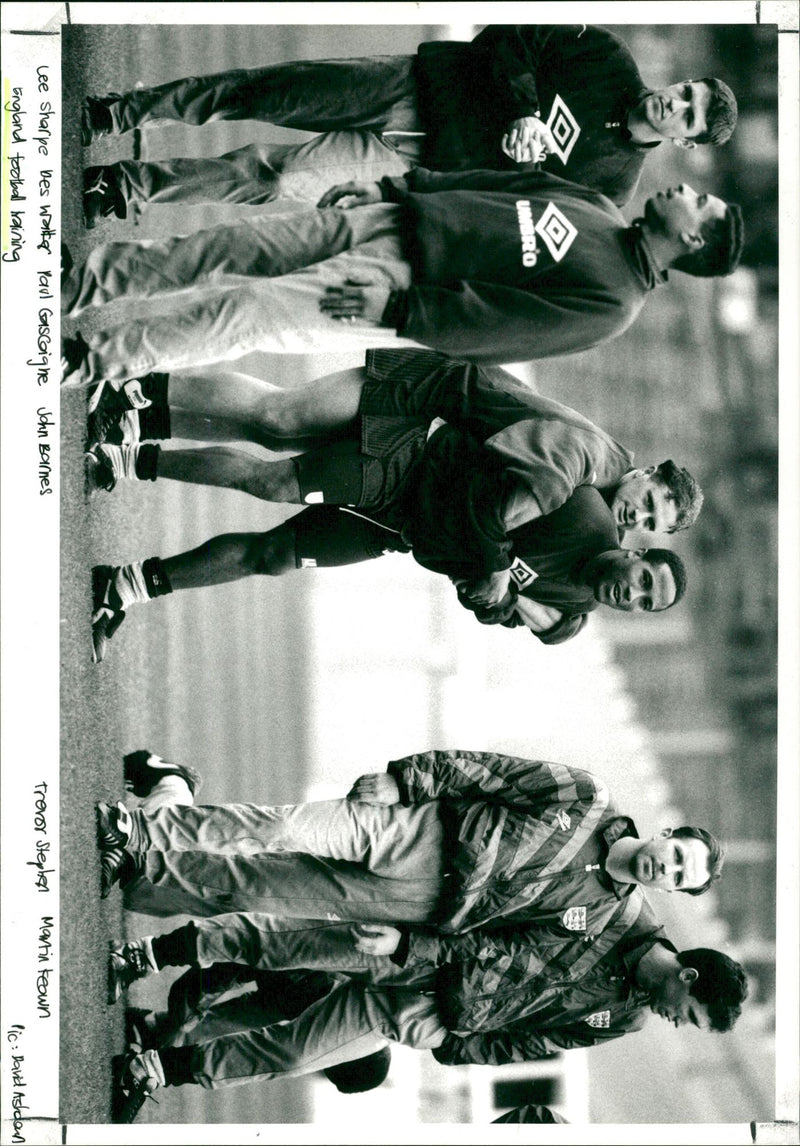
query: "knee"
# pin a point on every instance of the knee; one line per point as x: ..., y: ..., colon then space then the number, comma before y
x: 285, y: 414
x: 271, y: 554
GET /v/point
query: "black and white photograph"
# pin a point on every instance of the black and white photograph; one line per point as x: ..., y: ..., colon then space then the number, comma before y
x: 400, y: 573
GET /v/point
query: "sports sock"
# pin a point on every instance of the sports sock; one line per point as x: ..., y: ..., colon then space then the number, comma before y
x: 177, y: 1064
x: 155, y: 387
x: 146, y: 459
x: 177, y: 948
x: 141, y: 581
x: 154, y: 422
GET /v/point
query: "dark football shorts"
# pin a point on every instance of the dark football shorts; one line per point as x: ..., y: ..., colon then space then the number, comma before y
x: 370, y: 473
x: 357, y: 491
x: 326, y: 535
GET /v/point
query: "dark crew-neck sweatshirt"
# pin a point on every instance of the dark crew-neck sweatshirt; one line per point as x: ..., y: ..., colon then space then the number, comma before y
x: 514, y: 266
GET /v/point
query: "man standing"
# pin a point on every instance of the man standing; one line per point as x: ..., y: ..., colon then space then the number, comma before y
x: 488, y: 267
x: 567, y: 96
x: 487, y: 998
x: 454, y: 839
x: 545, y: 446
x: 520, y: 855
x: 446, y: 498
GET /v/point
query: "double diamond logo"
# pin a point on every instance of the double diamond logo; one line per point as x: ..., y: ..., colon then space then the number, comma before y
x: 521, y: 573
x: 557, y: 231
x: 564, y: 129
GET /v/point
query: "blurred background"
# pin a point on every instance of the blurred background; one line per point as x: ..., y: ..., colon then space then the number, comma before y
x: 285, y: 691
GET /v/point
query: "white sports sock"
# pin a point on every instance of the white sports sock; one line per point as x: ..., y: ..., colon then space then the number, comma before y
x: 123, y: 460
x: 130, y: 584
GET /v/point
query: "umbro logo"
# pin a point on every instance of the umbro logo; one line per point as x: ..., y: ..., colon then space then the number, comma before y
x: 564, y: 129
x: 553, y: 227
x: 557, y: 231
x: 522, y: 574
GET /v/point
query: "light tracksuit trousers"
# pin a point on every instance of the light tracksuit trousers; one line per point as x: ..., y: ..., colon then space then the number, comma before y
x: 264, y: 172
x: 334, y: 860
x: 225, y: 291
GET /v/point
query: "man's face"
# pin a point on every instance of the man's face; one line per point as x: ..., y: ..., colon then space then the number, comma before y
x: 671, y: 1000
x: 625, y: 579
x: 677, y: 112
x: 670, y: 863
x: 679, y: 212
x: 643, y: 501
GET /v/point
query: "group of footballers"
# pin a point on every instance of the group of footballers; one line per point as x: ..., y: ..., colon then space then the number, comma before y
x: 487, y: 908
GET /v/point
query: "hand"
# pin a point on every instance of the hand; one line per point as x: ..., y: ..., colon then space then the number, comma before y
x: 356, y: 194
x: 376, y: 938
x: 375, y: 788
x: 488, y: 591
x: 528, y: 140
x: 354, y: 300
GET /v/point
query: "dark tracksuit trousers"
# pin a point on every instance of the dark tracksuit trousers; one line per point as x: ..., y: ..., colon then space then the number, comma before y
x: 377, y: 1002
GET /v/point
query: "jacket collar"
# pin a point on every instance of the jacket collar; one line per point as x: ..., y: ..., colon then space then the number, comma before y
x: 639, y: 996
x: 615, y: 830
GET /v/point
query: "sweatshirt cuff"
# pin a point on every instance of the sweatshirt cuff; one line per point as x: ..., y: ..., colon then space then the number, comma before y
x: 423, y: 947
x: 400, y: 956
x: 397, y: 774
x: 393, y: 188
x: 494, y: 560
x: 396, y: 310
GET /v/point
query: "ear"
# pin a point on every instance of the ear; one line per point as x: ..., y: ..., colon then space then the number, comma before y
x: 636, y: 553
x: 665, y: 833
x: 689, y: 975
x: 692, y: 239
x: 649, y: 471
x: 686, y: 144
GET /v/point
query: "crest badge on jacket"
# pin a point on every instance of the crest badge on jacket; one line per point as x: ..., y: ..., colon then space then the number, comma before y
x: 601, y: 1019
x: 574, y: 919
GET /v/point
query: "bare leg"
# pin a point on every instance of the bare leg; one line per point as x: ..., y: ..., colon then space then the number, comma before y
x: 210, y: 428
x: 233, y: 556
x: 316, y: 408
x: 232, y: 469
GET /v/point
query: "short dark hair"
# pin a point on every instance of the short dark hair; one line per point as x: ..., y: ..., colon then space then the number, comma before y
x: 677, y: 568
x: 721, y: 985
x: 716, y: 855
x: 360, y: 1074
x: 722, y: 113
x: 722, y: 249
x: 685, y: 491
